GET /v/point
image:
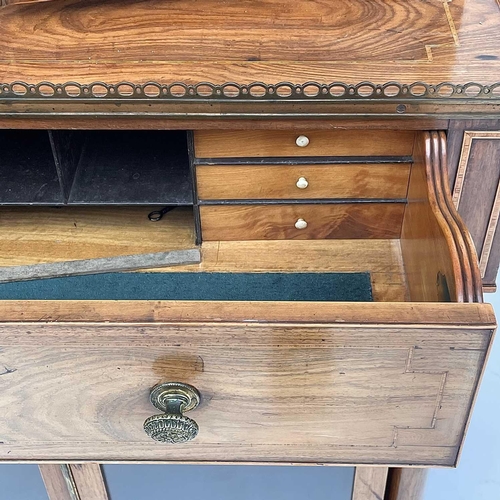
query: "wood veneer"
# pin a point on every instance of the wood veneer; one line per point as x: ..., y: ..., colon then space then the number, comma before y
x: 32, y: 236
x: 112, y: 365
x: 261, y: 222
x: 223, y: 182
x: 262, y: 143
x: 266, y: 41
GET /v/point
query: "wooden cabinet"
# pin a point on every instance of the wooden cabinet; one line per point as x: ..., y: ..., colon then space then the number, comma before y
x: 291, y: 139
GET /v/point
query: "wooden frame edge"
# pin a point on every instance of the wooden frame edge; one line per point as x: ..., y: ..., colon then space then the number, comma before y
x: 369, y: 483
x: 468, y: 139
x: 405, y: 484
x: 74, y: 482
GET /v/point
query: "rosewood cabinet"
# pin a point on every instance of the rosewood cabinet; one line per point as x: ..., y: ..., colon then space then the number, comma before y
x: 285, y: 146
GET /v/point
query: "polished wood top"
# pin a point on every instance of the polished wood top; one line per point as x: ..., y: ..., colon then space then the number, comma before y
x: 251, y: 40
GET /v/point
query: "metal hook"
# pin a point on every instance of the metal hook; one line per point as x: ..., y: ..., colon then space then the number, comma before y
x: 158, y: 214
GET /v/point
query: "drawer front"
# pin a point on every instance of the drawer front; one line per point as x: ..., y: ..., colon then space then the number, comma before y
x: 273, y: 143
x: 301, y: 221
x: 302, y: 182
x: 367, y: 383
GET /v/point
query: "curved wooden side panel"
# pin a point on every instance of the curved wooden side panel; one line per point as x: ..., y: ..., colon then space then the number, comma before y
x: 438, y: 255
x: 463, y: 237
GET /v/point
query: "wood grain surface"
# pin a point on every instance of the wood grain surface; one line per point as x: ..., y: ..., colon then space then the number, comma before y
x: 334, y: 392
x: 381, y: 258
x: 261, y: 222
x: 324, y: 181
x: 407, y: 484
x: 268, y: 41
x: 58, y: 482
x: 369, y: 483
x: 37, y: 235
x: 144, y: 122
x: 89, y: 481
x: 262, y: 143
x: 398, y: 314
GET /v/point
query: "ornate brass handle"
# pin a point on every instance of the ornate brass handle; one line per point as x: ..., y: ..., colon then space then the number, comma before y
x: 173, y: 398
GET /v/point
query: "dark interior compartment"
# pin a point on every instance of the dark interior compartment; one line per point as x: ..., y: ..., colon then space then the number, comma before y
x: 27, y: 171
x: 95, y: 168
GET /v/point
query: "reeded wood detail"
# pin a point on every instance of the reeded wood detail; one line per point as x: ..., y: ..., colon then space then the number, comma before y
x: 465, y: 247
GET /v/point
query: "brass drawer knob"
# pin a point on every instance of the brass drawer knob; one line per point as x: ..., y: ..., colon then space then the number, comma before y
x: 173, y: 399
x: 302, y: 183
x: 300, y: 224
x: 302, y: 141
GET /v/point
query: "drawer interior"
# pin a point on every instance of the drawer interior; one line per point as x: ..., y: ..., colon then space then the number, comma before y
x: 412, y: 248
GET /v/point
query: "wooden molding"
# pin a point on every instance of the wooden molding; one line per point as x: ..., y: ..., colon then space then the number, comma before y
x: 469, y: 138
x: 179, y: 99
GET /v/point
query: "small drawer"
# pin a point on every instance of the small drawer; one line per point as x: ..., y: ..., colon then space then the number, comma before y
x: 301, y: 221
x: 231, y: 182
x: 267, y: 143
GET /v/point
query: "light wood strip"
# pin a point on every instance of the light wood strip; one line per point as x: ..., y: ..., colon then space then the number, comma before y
x: 401, y: 314
x: 95, y: 266
x: 59, y: 483
x: 369, y: 483
x: 90, y: 481
x: 264, y: 222
x: 477, y: 176
x: 262, y: 143
x: 322, y: 181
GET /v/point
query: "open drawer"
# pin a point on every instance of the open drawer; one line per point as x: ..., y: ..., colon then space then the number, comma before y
x: 386, y: 382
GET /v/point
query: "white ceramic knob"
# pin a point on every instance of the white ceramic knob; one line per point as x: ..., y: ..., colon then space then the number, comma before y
x: 302, y: 183
x: 302, y: 141
x: 301, y: 224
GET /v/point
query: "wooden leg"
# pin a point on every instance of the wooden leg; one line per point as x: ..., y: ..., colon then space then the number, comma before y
x: 74, y: 482
x: 406, y: 484
x: 369, y: 483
